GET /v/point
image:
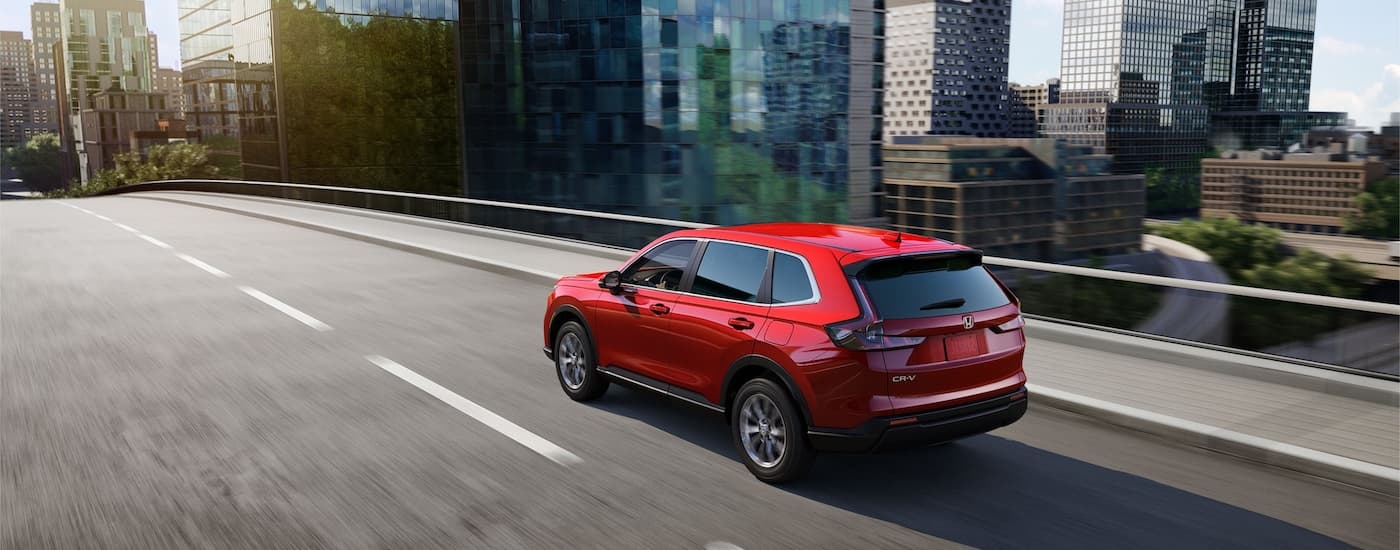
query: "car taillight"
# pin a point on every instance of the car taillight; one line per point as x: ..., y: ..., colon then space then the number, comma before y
x: 865, y: 336
x: 1016, y: 323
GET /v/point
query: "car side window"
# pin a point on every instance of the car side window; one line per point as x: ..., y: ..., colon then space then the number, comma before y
x: 790, y: 280
x: 662, y: 267
x: 730, y: 271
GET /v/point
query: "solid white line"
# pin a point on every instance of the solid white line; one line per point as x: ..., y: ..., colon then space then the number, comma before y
x: 284, y: 308
x: 195, y: 261
x: 103, y: 218
x: 154, y: 241
x: 479, y: 413
x: 125, y: 227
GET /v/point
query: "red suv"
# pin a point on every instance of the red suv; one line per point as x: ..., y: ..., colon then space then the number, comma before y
x: 809, y: 337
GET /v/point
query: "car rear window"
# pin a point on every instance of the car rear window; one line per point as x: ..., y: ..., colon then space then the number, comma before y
x: 909, y: 288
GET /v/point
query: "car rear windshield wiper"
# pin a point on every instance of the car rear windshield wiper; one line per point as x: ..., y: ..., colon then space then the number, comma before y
x: 945, y: 304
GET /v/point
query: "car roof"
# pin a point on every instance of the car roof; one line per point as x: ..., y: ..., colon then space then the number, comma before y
x: 844, y: 238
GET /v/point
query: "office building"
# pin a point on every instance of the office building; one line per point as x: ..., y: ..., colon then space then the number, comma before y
x: 1035, y: 199
x: 1027, y: 104
x: 17, y: 95
x: 1131, y: 82
x: 1259, y: 73
x: 109, y: 126
x: 169, y: 82
x: 722, y: 112
x: 1308, y: 192
x: 946, y: 67
x: 47, y: 28
x: 269, y: 84
x: 105, y: 48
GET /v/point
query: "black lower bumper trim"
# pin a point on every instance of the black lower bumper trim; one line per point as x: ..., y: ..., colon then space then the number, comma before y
x: 928, y: 428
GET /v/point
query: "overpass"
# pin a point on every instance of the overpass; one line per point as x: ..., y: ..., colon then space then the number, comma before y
x: 199, y: 369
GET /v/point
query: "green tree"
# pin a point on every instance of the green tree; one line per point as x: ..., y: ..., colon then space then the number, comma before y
x: 39, y: 162
x: 1234, y: 245
x: 1378, y: 211
x: 162, y: 162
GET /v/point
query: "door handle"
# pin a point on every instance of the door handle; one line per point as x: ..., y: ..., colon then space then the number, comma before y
x: 660, y: 309
x: 741, y: 323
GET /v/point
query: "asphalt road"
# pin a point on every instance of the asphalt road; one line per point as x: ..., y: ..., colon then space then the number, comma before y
x: 146, y: 401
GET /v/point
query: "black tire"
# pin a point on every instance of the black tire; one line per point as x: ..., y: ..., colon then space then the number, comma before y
x: 572, y: 346
x: 794, y: 457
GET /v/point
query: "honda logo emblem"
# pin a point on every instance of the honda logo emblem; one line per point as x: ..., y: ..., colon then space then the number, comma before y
x: 967, y: 321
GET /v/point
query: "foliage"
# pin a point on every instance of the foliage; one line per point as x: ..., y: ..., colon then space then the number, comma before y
x: 369, y: 101
x: 1234, y: 245
x: 39, y: 162
x: 1252, y: 256
x: 1176, y: 190
x: 1378, y: 211
x: 162, y: 162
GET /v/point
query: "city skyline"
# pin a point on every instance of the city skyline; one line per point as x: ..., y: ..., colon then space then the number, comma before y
x: 1356, y: 65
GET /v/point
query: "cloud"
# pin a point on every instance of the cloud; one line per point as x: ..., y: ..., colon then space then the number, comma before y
x: 1369, y: 106
x: 1331, y: 46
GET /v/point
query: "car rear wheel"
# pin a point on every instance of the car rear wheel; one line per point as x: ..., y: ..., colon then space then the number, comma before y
x: 573, y: 362
x: 769, y: 432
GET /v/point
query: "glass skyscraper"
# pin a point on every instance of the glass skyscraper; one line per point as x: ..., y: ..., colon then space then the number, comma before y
x: 356, y: 93
x: 723, y: 111
x: 1260, y: 73
x: 1132, y: 74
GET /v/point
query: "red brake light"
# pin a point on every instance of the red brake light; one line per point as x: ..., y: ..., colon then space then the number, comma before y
x: 865, y: 336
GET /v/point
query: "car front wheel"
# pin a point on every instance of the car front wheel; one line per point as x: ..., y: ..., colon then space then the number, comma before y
x: 769, y: 432
x: 573, y: 362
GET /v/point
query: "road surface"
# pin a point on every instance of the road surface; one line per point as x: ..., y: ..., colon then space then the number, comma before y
x: 177, y: 377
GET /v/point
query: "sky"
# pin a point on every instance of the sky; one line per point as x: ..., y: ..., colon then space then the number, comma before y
x: 1356, y: 63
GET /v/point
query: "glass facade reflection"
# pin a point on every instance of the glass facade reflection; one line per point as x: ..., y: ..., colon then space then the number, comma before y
x: 1260, y: 76
x: 723, y: 111
x: 1132, y: 82
x: 356, y: 93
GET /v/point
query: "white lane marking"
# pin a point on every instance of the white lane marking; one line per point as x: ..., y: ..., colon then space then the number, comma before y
x: 479, y: 413
x: 125, y: 227
x: 195, y: 262
x: 284, y: 308
x: 103, y: 218
x: 721, y: 545
x: 154, y: 241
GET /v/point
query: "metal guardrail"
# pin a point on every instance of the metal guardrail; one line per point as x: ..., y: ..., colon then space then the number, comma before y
x: 1333, y: 344
x: 1234, y: 290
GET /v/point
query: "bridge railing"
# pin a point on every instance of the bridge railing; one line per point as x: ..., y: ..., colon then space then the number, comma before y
x: 1320, y: 331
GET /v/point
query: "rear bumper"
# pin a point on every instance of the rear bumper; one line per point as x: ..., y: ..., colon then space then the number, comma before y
x: 926, y: 428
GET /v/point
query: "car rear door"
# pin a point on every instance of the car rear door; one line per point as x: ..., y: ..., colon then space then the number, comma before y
x: 715, y: 321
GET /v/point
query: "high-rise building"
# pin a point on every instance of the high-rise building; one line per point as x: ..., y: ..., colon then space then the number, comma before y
x: 718, y: 111
x: 17, y: 95
x: 1131, y: 82
x: 105, y: 47
x: 326, y: 93
x: 1259, y: 73
x: 1034, y: 199
x: 207, y: 74
x: 47, y: 29
x: 169, y: 82
x: 953, y: 55
x: 1027, y: 104
x: 153, y: 46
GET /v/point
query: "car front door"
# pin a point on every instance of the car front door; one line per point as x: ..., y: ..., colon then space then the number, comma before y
x: 715, y: 321
x: 633, y: 324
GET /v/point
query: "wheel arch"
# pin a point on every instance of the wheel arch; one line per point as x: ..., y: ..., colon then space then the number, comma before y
x: 753, y: 366
x: 564, y: 314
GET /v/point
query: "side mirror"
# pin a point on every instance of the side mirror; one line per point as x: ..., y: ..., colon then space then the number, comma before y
x: 612, y: 282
